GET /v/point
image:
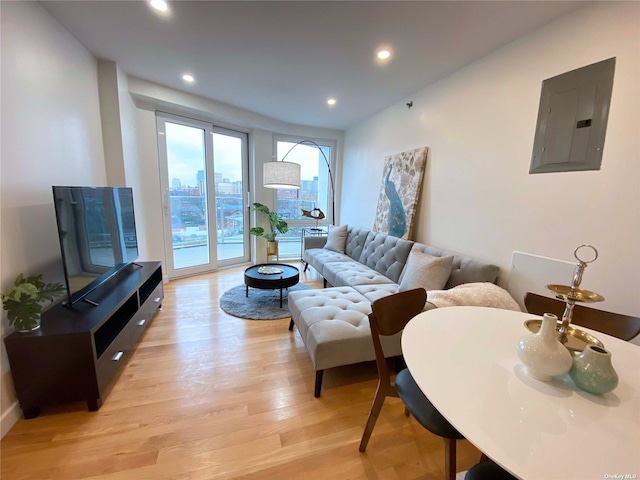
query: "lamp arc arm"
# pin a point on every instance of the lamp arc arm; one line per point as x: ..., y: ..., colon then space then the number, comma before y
x: 326, y: 161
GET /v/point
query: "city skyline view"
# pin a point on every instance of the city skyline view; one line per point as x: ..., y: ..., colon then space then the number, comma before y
x: 185, y: 148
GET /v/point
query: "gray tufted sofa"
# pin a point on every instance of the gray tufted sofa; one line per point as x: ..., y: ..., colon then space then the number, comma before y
x: 334, y: 322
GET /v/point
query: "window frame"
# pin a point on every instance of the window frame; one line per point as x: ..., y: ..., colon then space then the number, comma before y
x: 331, y: 176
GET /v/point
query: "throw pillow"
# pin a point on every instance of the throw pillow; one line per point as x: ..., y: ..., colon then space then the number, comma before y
x: 426, y: 271
x: 337, y: 239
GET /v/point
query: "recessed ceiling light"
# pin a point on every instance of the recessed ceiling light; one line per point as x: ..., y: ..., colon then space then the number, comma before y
x: 187, y: 77
x: 384, y: 54
x: 159, y: 5
x: 331, y: 101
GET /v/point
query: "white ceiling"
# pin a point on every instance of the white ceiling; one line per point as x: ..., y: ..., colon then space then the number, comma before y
x: 284, y: 59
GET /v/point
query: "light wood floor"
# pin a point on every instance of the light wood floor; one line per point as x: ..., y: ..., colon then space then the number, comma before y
x: 210, y: 396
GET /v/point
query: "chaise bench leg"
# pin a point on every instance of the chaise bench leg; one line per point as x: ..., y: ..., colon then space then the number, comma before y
x: 316, y: 391
x: 291, y: 325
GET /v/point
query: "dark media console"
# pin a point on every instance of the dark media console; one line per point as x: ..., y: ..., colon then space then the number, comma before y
x: 77, y: 351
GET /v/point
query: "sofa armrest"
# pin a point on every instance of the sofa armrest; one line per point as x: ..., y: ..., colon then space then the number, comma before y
x: 314, y: 241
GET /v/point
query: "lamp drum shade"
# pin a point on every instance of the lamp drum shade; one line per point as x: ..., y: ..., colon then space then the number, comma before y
x: 281, y: 175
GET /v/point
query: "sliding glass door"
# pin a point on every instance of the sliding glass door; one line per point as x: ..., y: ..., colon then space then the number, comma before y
x: 204, y: 182
x: 230, y: 172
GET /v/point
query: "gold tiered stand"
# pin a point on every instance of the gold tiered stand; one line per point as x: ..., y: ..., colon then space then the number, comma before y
x: 572, y: 294
x: 573, y: 338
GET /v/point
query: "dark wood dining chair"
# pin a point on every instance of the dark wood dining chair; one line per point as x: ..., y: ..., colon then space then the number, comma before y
x: 617, y: 325
x: 389, y: 316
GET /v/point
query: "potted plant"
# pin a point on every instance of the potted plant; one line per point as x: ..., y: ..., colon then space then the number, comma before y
x: 23, y: 302
x: 277, y: 225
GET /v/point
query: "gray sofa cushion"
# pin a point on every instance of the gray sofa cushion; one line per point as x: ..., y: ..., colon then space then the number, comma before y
x: 351, y: 273
x: 332, y: 302
x: 386, y: 255
x: 374, y: 292
x: 337, y: 239
x: 319, y: 258
x: 356, y: 240
x: 468, y: 270
x: 425, y: 271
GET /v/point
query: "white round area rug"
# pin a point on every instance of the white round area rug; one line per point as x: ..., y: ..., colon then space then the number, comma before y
x: 260, y: 304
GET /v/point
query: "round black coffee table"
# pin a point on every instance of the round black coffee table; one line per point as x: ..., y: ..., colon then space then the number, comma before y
x: 288, y: 277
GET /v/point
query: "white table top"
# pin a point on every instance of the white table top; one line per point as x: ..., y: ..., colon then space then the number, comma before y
x: 464, y: 359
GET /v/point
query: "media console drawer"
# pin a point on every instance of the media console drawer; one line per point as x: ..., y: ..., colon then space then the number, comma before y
x: 115, y: 356
x: 155, y: 299
x: 77, y: 351
x: 139, y: 323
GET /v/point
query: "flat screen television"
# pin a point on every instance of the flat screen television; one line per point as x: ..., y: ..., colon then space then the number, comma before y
x: 97, y: 233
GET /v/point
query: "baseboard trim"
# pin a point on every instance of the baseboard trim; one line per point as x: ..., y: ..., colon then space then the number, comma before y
x: 9, y: 418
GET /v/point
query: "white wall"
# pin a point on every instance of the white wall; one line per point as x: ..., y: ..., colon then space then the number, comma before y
x: 478, y: 198
x: 50, y: 136
x: 109, y: 95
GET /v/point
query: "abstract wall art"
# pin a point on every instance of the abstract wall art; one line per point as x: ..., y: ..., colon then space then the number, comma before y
x: 401, y: 181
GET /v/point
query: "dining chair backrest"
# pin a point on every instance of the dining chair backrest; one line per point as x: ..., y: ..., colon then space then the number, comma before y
x: 389, y: 315
x: 392, y: 313
x: 617, y: 325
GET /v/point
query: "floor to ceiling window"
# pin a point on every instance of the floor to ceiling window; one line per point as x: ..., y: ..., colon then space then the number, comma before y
x: 316, y: 159
x: 204, y: 182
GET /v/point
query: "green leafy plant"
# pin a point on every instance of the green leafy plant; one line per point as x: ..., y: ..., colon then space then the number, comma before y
x: 23, y: 302
x: 277, y: 224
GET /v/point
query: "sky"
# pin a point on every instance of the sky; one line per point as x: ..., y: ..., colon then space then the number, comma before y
x: 305, y: 155
x: 185, y: 152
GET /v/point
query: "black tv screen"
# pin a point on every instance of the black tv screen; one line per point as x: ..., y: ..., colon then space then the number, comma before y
x: 97, y: 232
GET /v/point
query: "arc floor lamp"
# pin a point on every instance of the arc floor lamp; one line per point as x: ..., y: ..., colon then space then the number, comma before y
x: 286, y: 175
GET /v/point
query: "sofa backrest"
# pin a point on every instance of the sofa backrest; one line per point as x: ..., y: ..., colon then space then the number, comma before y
x: 465, y: 269
x: 385, y: 254
x: 356, y: 240
x: 388, y: 255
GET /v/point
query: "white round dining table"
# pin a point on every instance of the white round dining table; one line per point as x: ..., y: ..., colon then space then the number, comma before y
x: 464, y: 360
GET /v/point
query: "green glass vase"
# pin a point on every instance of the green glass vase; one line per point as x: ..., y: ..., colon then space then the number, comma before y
x: 593, y: 372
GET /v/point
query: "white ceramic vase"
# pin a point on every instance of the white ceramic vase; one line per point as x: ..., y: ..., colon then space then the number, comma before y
x: 542, y: 353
